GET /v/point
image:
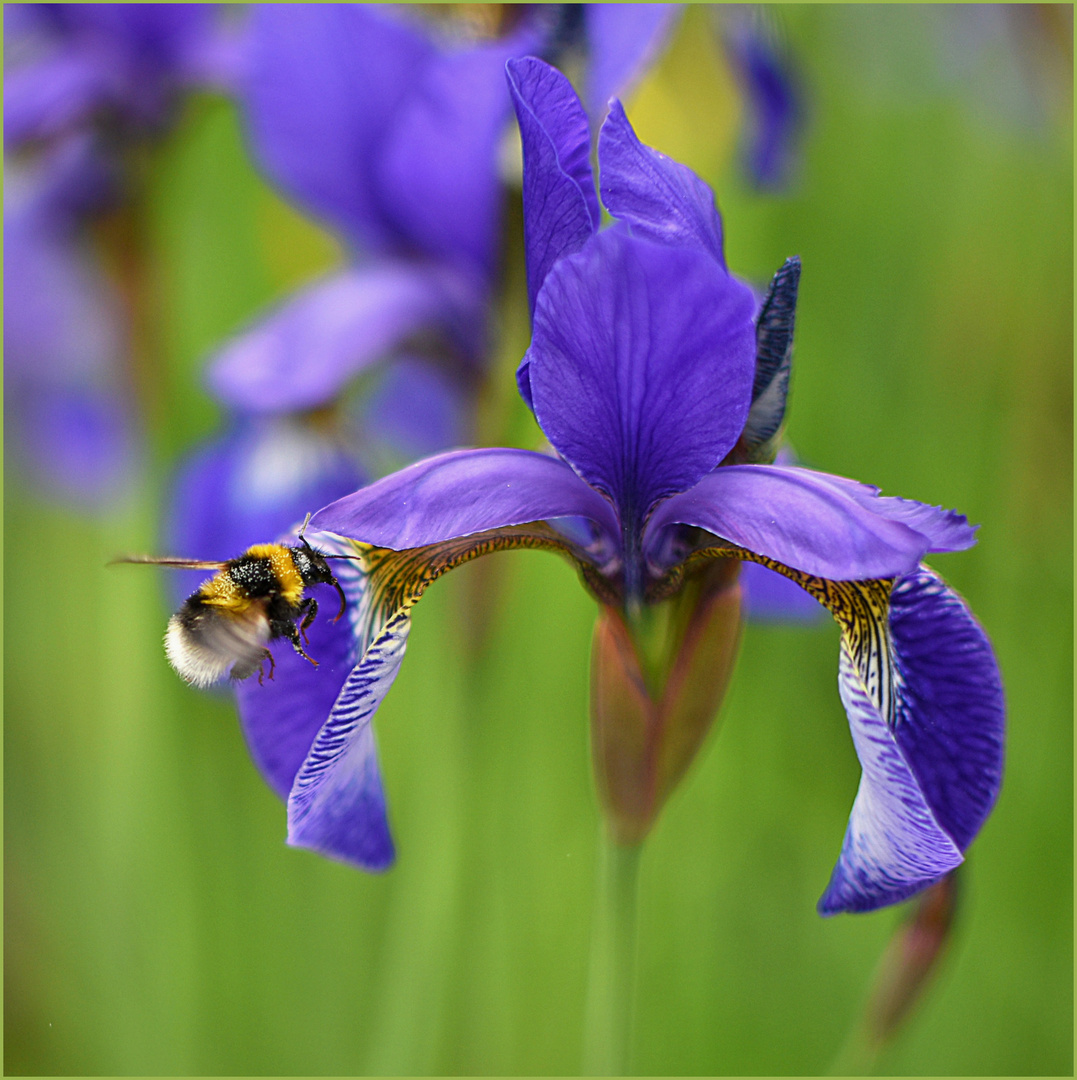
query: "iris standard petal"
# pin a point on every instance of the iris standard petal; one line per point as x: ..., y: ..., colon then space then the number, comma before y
x: 657, y: 197
x: 804, y: 520
x: 772, y: 95
x: 437, y: 168
x: 460, y: 493
x: 623, y: 40
x: 641, y: 366
x: 324, y: 82
x: 303, y: 354
x: 560, y: 205
x: 931, y: 773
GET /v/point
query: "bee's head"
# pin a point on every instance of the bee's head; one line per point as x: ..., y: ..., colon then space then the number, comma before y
x: 314, y: 568
x: 312, y: 565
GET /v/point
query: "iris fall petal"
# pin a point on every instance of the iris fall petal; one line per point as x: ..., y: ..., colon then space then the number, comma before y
x: 839, y: 531
x: 461, y: 493
x: 932, y: 773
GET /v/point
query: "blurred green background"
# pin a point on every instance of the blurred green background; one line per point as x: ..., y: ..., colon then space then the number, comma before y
x: 155, y: 922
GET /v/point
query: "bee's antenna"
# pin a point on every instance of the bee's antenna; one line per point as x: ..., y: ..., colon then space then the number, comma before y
x: 303, y: 529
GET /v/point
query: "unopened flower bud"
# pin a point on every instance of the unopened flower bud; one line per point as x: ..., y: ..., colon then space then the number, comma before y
x: 657, y: 682
x: 911, y: 958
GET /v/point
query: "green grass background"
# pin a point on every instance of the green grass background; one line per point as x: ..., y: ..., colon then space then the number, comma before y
x: 155, y: 923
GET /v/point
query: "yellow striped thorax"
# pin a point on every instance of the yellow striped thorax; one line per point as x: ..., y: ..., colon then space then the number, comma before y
x: 271, y: 566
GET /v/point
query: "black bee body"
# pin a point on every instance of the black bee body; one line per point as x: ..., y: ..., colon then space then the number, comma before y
x: 223, y: 628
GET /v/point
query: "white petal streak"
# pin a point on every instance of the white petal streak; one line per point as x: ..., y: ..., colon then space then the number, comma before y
x: 893, y: 844
x: 341, y: 764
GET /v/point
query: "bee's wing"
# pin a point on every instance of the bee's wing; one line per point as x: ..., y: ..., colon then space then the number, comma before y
x: 240, y: 638
x: 206, y: 646
x: 182, y: 564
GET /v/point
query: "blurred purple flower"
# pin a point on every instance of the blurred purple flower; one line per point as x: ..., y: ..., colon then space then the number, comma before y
x: 649, y: 379
x: 388, y: 129
x: 67, y: 420
x: 81, y: 83
x: 69, y: 64
x: 773, y: 97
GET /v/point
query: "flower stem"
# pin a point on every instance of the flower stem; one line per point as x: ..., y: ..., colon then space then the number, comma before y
x: 611, y: 978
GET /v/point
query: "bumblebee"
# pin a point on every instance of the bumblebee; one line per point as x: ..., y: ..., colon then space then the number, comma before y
x: 225, y: 626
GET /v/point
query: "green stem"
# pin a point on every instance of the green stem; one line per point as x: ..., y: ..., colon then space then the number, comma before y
x: 858, y: 1055
x: 612, y: 975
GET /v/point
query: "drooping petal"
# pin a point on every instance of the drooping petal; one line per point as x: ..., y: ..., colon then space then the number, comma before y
x: 282, y: 717
x: 623, y: 40
x: 924, y: 698
x: 951, y: 716
x: 932, y: 773
x: 323, y: 86
x: 893, y: 846
x: 437, y: 168
x: 560, y: 205
x: 303, y: 353
x: 641, y: 367
x: 337, y: 803
x: 460, y: 493
x: 823, y: 525
x: 657, y: 197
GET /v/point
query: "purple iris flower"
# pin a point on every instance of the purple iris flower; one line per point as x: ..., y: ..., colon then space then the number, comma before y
x: 651, y: 381
x: 773, y: 95
x: 68, y: 421
x: 68, y: 65
x: 388, y: 133
x: 389, y: 129
x: 82, y: 83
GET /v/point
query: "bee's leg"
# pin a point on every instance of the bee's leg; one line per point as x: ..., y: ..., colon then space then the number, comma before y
x: 272, y: 667
x: 309, y: 608
x: 343, y: 600
x: 289, y: 631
